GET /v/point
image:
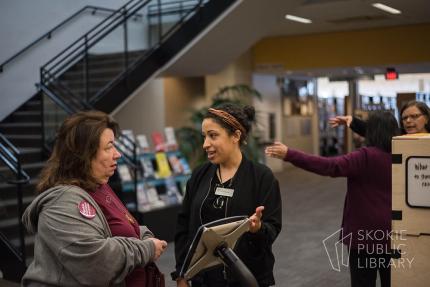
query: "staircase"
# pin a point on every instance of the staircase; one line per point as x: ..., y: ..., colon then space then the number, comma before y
x: 24, y: 129
x: 94, y: 81
x: 101, y: 70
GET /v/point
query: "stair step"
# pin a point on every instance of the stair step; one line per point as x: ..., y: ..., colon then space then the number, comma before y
x: 31, y: 154
x: 25, y: 140
x: 21, y: 128
x: 9, y: 207
x: 29, y: 245
x: 94, y: 74
x: 32, y: 169
x: 101, y: 64
x: 32, y: 105
x: 13, y: 202
x: 7, y: 283
x: 8, y: 191
x: 24, y: 116
x: 94, y: 84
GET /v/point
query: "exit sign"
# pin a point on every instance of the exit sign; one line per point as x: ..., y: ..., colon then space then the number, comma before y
x: 391, y: 74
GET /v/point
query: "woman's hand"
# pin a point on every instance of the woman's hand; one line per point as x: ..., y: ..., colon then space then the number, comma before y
x: 340, y: 120
x: 160, y: 247
x: 181, y: 282
x: 277, y: 150
x: 256, y: 220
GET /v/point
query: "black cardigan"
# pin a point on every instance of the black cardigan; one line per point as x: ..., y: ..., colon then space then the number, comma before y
x: 254, y: 185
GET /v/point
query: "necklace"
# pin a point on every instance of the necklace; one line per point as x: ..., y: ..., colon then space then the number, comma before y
x: 222, y: 192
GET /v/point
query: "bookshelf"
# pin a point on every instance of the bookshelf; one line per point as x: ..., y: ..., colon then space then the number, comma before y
x: 162, y: 174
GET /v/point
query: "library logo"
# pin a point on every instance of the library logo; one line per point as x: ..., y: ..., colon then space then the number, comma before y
x: 338, y: 249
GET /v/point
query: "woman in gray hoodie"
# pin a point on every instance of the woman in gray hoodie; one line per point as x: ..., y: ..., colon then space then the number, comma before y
x: 84, y: 234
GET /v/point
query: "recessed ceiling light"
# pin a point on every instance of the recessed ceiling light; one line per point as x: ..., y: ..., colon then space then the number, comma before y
x: 298, y: 19
x: 386, y: 8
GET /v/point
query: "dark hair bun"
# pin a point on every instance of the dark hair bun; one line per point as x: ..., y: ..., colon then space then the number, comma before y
x: 249, y: 112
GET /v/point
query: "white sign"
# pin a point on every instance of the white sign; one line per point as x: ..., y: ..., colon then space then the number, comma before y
x: 418, y: 181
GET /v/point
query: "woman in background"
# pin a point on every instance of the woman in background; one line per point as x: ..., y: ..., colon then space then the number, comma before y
x: 367, y: 208
x: 415, y: 118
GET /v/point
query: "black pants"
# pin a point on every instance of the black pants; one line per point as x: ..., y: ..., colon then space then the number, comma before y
x: 215, y: 278
x: 364, y: 268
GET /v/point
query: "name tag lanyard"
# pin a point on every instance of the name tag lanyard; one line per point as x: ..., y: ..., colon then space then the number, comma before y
x: 223, y: 193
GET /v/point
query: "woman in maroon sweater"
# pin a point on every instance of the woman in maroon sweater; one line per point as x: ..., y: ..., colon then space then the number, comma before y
x: 367, y: 209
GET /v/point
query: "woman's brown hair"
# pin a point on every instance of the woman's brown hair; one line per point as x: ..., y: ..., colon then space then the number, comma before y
x: 76, y: 145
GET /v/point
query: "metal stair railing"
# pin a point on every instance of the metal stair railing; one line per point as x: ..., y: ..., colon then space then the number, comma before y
x: 11, y: 157
x: 79, y: 50
x: 48, y: 35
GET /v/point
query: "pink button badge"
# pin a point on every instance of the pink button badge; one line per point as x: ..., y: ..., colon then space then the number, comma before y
x: 86, y: 209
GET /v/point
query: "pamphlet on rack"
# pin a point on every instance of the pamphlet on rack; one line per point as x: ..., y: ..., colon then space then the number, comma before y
x: 128, y: 141
x: 175, y: 164
x: 173, y: 196
x: 158, y: 141
x: 124, y: 173
x: 148, y: 196
x: 148, y: 169
x: 171, y: 142
x: 163, y: 168
x: 142, y: 143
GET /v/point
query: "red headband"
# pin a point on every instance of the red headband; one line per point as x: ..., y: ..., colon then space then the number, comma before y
x: 228, y: 119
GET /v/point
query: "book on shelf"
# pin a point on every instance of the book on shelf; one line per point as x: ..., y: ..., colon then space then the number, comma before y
x: 185, y: 166
x: 172, y: 195
x: 147, y: 198
x: 142, y: 143
x: 128, y: 141
x: 142, y: 199
x: 148, y: 169
x: 175, y: 163
x: 158, y: 141
x: 171, y: 142
x: 163, y: 168
x: 124, y: 172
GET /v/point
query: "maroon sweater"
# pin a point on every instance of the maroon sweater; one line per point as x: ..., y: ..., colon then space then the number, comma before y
x: 367, y: 208
x: 121, y: 223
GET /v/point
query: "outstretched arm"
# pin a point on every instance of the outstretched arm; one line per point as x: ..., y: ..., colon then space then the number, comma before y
x: 355, y: 124
x: 345, y: 165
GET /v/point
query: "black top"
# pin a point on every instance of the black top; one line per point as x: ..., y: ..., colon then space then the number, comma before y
x: 215, y: 206
x: 254, y: 185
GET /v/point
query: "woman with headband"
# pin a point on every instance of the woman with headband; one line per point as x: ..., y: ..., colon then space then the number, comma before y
x: 248, y: 188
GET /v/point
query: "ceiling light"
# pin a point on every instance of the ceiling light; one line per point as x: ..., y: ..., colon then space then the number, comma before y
x: 386, y: 8
x: 298, y: 19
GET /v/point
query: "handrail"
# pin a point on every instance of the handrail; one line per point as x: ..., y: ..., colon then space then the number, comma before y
x: 86, y: 35
x: 48, y: 34
x: 11, y: 156
x: 166, y: 8
x: 79, y: 49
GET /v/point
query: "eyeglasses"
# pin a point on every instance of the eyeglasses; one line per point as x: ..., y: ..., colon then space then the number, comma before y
x: 413, y: 117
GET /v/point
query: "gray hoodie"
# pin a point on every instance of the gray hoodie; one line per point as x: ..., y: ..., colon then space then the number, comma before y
x: 73, y: 250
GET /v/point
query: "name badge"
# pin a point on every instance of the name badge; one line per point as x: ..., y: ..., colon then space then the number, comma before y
x: 224, y: 191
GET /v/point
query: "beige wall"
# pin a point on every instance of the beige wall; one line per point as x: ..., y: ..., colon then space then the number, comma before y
x: 238, y: 72
x: 182, y: 96
x: 368, y: 47
x: 144, y: 112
